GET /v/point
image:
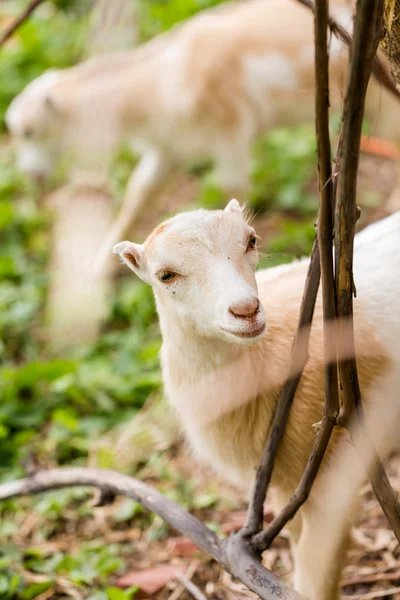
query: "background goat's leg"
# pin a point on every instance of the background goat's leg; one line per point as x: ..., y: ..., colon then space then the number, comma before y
x: 232, y: 168
x: 150, y: 173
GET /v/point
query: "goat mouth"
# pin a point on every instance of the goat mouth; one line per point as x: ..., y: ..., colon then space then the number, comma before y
x: 246, y: 334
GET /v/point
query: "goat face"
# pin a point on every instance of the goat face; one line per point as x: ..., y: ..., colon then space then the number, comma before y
x: 201, y: 266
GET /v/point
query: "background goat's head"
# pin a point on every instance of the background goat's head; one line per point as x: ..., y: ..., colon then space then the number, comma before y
x: 201, y: 266
x: 34, y: 119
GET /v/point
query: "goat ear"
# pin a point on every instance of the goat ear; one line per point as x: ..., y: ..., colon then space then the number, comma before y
x: 234, y: 206
x: 133, y: 256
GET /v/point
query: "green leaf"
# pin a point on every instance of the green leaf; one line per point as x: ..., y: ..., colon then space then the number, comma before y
x: 127, y: 510
x: 35, y: 589
x: 114, y: 593
x: 6, y: 215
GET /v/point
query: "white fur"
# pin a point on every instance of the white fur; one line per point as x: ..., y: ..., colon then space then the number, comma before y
x: 210, y: 371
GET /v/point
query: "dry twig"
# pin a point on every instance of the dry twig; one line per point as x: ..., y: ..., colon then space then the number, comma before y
x: 24, y: 16
x: 190, y: 587
x: 377, y: 594
x: 182, y: 586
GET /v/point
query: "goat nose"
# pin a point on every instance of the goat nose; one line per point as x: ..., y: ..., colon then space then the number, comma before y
x: 245, y: 309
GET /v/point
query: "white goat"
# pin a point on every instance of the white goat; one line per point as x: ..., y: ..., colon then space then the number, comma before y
x: 227, y: 335
x: 205, y: 89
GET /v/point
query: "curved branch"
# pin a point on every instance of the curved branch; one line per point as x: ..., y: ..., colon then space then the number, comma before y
x: 112, y: 482
x: 24, y: 16
x: 234, y: 554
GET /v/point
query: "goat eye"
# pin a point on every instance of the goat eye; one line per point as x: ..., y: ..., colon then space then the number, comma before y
x: 252, y: 243
x: 166, y: 276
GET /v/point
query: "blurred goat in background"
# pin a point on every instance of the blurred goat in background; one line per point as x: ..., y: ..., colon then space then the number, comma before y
x: 203, y: 90
x: 76, y: 304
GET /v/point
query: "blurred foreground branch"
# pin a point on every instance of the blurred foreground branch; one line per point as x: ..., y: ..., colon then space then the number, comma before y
x: 24, y: 16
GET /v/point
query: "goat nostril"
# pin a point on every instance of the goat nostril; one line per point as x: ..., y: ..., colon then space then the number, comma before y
x: 246, y: 309
x: 257, y: 306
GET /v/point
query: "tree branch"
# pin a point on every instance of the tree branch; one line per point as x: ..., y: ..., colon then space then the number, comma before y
x: 363, y: 51
x: 24, y: 16
x: 298, y: 360
x: 325, y: 227
x: 380, y: 73
x: 365, y: 41
x: 234, y: 554
x: 367, y: 33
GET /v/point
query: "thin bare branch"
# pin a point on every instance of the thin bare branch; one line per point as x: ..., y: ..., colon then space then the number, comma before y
x: 367, y: 33
x: 234, y: 554
x: 363, y: 51
x: 190, y: 587
x: 263, y: 540
x: 299, y: 357
x: 24, y: 16
x: 112, y: 482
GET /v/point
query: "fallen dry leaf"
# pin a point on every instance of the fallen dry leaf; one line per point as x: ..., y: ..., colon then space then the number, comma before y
x: 149, y: 581
x: 237, y: 520
x: 182, y: 546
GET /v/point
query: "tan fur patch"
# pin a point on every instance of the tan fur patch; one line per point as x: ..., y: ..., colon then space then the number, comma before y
x: 159, y: 229
x: 239, y: 436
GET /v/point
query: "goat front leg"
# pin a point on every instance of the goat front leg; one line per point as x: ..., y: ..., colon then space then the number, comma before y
x: 315, y: 578
x: 150, y: 173
x: 232, y: 169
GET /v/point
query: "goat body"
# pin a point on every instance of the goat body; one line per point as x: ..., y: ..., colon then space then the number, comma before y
x: 223, y: 372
